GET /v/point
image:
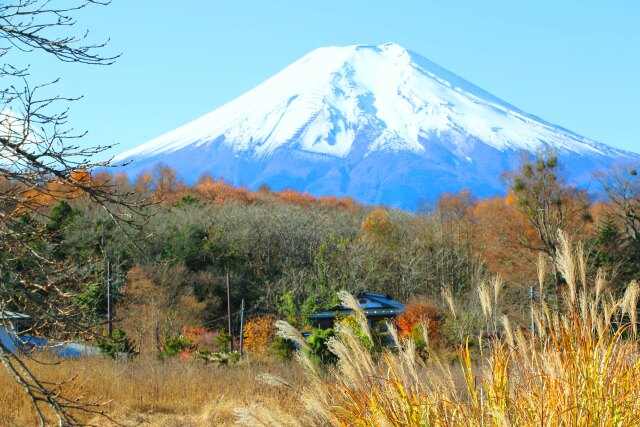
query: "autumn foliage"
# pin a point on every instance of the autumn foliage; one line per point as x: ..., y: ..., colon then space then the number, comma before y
x: 52, y: 190
x: 377, y: 224
x: 420, y: 313
x: 259, y: 332
x: 219, y: 191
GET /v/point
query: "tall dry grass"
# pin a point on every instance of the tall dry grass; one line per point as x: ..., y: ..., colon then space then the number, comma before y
x: 148, y: 391
x: 581, y: 368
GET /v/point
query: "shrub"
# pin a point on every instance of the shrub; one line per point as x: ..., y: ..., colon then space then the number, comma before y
x: 259, y: 333
x: 220, y: 358
x: 282, y: 348
x: 177, y: 345
x: 223, y: 340
x: 373, y: 339
x: 318, y: 347
x: 417, y: 316
x: 118, y: 345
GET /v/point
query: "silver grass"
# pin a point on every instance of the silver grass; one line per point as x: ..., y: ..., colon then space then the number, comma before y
x: 566, y: 265
x: 630, y: 304
x: 601, y: 283
x: 542, y: 267
x: 351, y: 302
x: 506, y: 325
x: 448, y: 298
x: 582, y: 266
x: 485, y: 300
x: 287, y: 331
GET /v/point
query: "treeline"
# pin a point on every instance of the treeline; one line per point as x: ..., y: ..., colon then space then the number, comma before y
x: 289, y: 253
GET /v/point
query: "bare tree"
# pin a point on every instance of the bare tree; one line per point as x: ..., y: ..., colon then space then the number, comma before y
x: 622, y: 186
x: 548, y: 201
x: 40, y: 162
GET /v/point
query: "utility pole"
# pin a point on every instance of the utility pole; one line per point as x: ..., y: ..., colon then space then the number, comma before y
x: 109, y: 300
x: 157, y: 335
x: 241, y: 325
x: 229, y: 311
x: 532, y: 300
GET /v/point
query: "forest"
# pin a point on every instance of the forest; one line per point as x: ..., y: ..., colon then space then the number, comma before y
x: 288, y: 254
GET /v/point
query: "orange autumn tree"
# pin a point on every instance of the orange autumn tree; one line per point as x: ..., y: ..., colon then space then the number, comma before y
x: 143, y: 183
x: 165, y: 182
x: 195, y: 334
x: 259, y: 333
x: 347, y: 203
x: 420, y: 313
x: 499, y: 232
x: 220, y: 192
x: 378, y: 224
x: 53, y: 189
x: 454, y: 214
x: 297, y: 198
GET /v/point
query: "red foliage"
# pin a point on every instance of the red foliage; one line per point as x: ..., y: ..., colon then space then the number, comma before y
x: 420, y: 313
x: 306, y: 199
x: 165, y: 186
x: 194, y: 334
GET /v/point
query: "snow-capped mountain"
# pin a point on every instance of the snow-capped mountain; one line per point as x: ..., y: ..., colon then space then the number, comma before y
x: 379, y: 123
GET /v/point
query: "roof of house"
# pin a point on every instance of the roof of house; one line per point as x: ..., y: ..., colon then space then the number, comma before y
x: 12, y: 315
x: 372, y: 304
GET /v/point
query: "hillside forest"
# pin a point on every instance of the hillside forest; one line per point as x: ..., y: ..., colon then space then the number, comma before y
x: 287, y: 254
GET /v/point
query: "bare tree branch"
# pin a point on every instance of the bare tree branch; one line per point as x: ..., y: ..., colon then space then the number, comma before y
x: 42, y: 161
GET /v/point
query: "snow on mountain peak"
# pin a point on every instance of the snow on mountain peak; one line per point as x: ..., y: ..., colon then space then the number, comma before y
x: 378, y: 123
x: 395, y: 99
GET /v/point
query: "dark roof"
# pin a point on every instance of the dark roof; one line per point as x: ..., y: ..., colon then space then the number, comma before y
x: 372, y: 304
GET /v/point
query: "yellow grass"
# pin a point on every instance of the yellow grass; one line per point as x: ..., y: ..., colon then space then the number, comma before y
x: 152, y: 392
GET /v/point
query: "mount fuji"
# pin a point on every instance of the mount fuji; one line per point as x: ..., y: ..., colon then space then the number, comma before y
x: 379, y: 123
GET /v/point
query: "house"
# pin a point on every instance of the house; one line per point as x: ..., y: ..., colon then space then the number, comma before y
x: 375, y: 306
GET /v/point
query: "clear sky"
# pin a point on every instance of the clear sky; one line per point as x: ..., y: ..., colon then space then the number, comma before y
x: 575, y: 63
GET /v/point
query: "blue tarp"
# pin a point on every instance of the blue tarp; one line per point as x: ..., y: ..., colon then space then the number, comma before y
x: 25, y: 343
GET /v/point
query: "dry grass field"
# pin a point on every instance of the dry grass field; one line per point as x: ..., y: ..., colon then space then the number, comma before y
x: 147, y: 391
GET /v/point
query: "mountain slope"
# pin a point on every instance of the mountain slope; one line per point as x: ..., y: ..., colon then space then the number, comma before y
x: 379, y: 123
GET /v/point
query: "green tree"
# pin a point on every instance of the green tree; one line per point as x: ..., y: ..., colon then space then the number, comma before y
x: 614, y: 252
x: 176, y: 345
x: 61, y: 216
x: 282, y: 348
x: 187, y: 245
x: 548, y: 201
x: 318, y: 341
x: 223, y: 340
x: 622, y: 187
x: 117, y: 346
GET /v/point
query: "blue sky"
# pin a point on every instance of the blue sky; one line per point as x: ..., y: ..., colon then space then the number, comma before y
x: 573, y: 63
